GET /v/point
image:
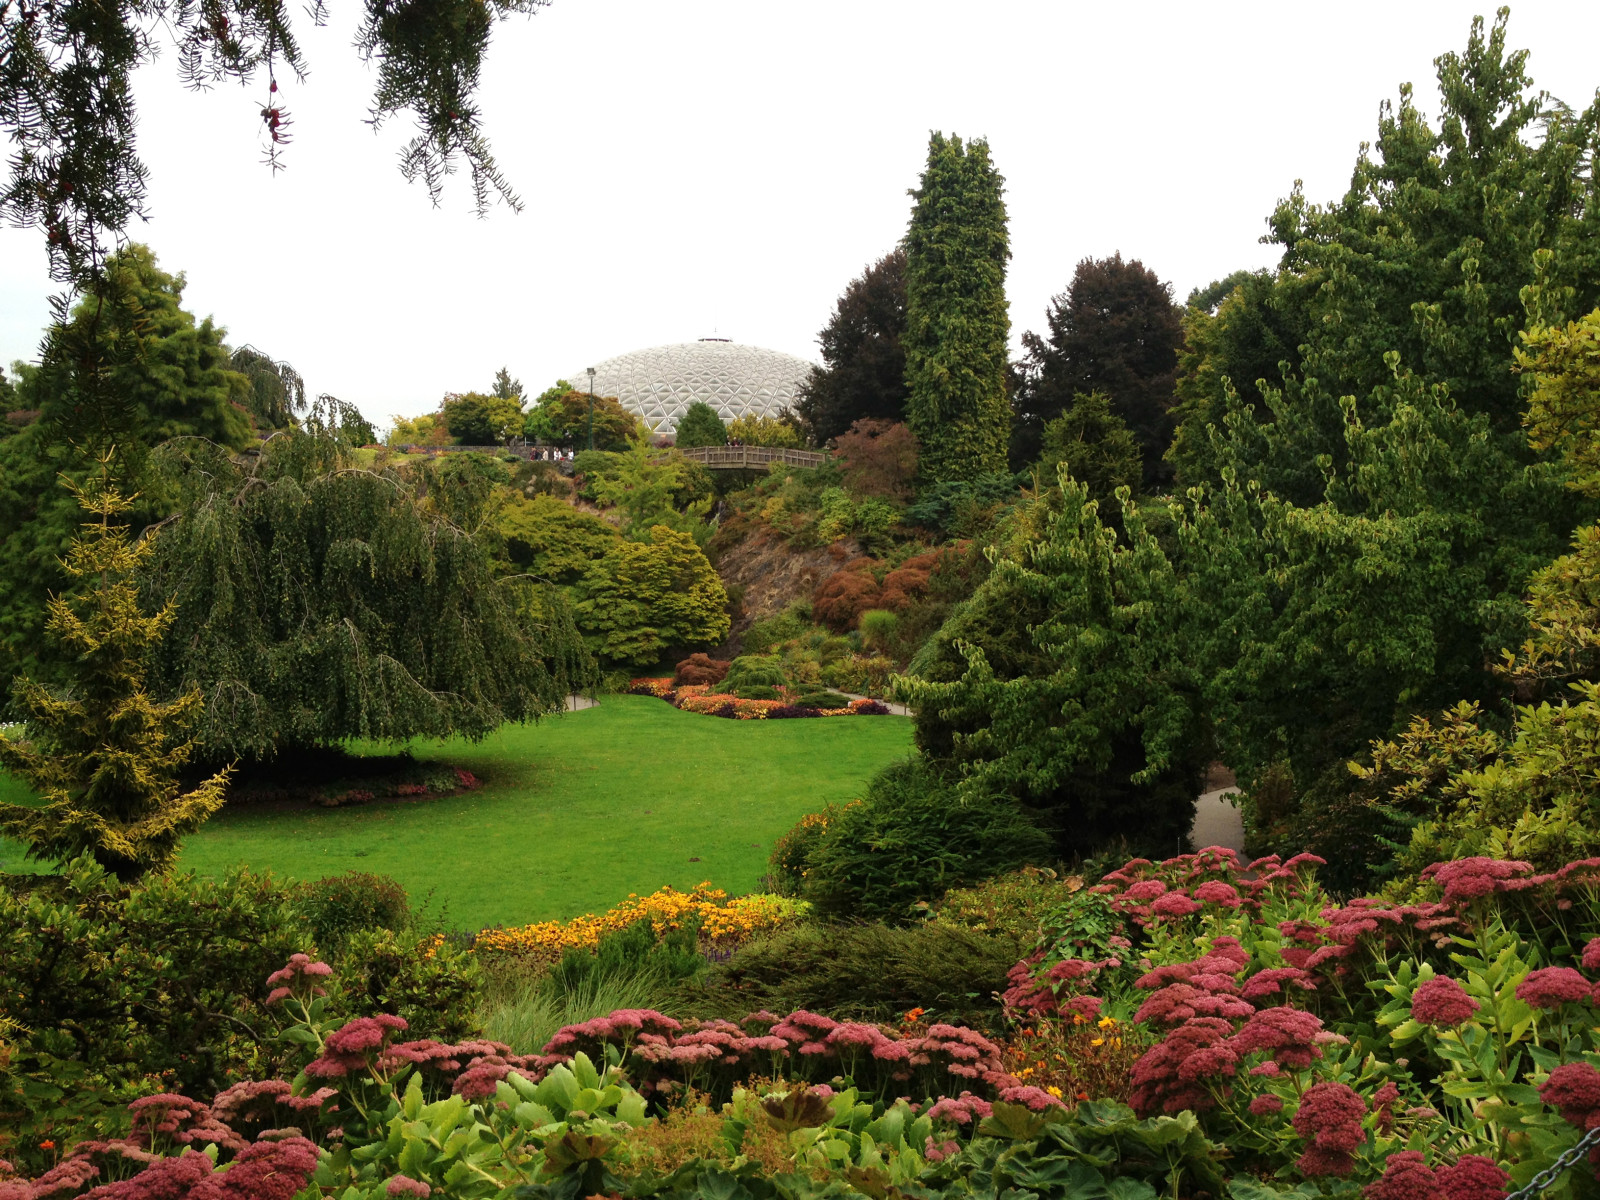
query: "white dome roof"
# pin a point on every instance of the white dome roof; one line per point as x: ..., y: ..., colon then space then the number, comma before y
x: 659, y: 383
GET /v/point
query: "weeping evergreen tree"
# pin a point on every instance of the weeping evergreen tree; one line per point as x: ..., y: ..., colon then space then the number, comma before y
x: 956, y: 313
x: 317, y: 601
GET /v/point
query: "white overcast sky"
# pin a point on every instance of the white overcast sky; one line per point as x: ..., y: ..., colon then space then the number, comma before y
x: 726, y: 166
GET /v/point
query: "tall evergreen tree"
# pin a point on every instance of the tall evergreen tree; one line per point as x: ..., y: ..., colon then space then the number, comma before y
x: 956, y: 314
x: 1116, y: 331
x: 863, y: 376
x: 105, y: 756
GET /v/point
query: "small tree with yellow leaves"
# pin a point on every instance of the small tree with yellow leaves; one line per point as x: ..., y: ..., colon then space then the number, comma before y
x: 105, y: 757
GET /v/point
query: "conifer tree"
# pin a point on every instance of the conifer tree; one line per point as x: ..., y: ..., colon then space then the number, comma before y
x: 956, y: 313
x: 700, y: 426
x: 105, y: 757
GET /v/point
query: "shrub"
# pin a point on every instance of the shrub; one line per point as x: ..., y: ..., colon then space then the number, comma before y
x: 791, y: 623
x: 700, y: 668
x: 753, y: 670
x: 822, y: 700
x: 842, y: 597
x: 877, y: 627
x: 864, y: 971
x: 879, y: 458
x: 339, y: 905
x: 911, y: 838
x: 759, y: 691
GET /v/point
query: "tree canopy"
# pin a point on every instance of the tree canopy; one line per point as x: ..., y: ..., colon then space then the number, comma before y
x: 315, y: 601
x: 700, y: 426
x: 1115, y: 331
x: 863, y: 372
x: 476, y: 419
x: 157, y: 373
x: 956, y: 313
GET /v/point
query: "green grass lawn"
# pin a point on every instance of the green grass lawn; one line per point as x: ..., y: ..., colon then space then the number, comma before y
x: 575, y: 812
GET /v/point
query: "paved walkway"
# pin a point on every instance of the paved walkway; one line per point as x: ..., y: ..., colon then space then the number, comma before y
x: 1217, y: 821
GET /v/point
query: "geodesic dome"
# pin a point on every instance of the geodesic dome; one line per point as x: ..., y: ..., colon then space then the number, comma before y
x: 659, y: 383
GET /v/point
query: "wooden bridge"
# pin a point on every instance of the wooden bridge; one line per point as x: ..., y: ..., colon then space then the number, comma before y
x: 739, y: 458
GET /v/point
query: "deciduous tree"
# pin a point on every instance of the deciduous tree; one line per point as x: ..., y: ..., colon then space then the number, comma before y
x: 863, y: 372
x: 314, y: 601
x: 1116, y: 331
x: 476, y: 419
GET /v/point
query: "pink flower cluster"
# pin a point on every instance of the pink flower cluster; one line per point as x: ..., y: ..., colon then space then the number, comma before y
x: 1330, y: 1117
x: 1215, y: 877
x: 297, y: 978
x: 1465, y: 880
x: 1442, y: 1003
x: 664, y: 1052
x: 1059, y: 990
x: 1407, y: 1176
x: 261, y: 1170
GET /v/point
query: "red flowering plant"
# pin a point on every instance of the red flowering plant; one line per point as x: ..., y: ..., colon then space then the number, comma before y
x: 367, y: 1116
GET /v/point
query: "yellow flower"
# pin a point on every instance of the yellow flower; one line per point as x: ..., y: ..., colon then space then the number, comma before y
x: 1107, y: 1023
x: 1054, y: 1091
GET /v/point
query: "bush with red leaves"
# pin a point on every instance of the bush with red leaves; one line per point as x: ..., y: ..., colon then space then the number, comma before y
x: 699, y: 669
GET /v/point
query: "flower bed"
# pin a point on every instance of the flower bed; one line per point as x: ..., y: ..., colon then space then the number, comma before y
x: 702, y: 699
x: 722, y: 923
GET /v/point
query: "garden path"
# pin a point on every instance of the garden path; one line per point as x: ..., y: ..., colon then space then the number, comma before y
x: 1218, y: 821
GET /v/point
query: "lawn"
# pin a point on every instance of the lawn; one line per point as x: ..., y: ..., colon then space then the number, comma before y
x: 575, y: 812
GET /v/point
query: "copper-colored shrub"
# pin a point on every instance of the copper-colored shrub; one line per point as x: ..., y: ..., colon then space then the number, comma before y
x: 699, y: 669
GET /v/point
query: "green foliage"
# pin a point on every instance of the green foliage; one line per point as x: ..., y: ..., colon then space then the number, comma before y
x: 963, y: 507
x: 956, y: 321
x: 878, y: 627
x: 645, y: 598
x: 650, y: 487
x: 1092, y: 445
x: 867, y: 970
x: 1061, y: 683
x: 277, y: 394
x: 315, y: 602
x: 110, y: 985
x: 565, y: 417
x: 475, y: 419
x: 765, y: 431
x: 125, y: 369
x: 337, y: 906
x: 870, y: 521
x: 754, y: 671
x: 700, y: 426
x: 769, y: 632
x: 1116, y: 333
x: 105, y: 758
x: 78, y: 177
x: 549, y: 539
x: 909, y: 838
x: 1564, y: 407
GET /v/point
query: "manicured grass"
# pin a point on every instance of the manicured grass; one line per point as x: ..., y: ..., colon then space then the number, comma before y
x: 575, y: 812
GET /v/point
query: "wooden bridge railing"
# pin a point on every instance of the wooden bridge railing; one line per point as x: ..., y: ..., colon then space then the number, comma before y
x: 732, y: 458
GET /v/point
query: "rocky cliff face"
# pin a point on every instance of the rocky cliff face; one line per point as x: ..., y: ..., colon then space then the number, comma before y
x: 770, y: 574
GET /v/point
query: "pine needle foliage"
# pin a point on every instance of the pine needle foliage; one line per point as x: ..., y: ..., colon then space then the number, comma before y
x: 957, y: 321
x: 106, y: 756
x: 317, y: 601
x: 67, y: 101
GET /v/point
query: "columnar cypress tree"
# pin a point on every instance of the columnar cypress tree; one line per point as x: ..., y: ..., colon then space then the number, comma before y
x: 956, y: 318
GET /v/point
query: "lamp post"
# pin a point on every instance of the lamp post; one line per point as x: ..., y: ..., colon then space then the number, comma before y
x: 591, y: 408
